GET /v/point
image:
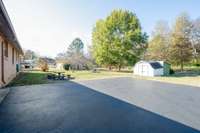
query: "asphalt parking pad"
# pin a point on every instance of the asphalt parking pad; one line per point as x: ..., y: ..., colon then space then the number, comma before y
x: 75, y: 108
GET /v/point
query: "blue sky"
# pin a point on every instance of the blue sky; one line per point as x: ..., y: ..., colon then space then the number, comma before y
x: 48, y: 26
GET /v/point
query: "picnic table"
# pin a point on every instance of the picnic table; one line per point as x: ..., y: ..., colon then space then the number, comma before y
x: 58, y: 76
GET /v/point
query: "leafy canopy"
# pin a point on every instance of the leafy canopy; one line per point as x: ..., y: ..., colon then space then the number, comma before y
x: 76, y: 47
x: 118, y: 40
x: 181, y: 48
x: 158, y: 46
x: 75, y: 54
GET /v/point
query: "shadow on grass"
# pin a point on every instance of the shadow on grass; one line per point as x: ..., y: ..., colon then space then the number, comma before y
x: 72, y: 107
x: 188, y: 72
x: 29, y: 78
x: 185, y: 74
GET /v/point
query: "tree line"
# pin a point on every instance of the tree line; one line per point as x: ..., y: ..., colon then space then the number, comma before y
x: 74, y: 57
x: 178, y: 44
x: 118, y: 41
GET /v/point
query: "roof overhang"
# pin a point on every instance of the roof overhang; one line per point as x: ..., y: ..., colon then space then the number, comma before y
x: 6, y: 28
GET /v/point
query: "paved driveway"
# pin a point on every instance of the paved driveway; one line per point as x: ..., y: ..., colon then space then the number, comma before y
x: 120, y: 105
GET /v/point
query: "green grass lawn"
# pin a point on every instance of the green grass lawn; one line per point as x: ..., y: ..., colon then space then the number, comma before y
x: 88, y: 75
x: 185, y: 80
x: 39, y: 77
x: 29, y: 78
x: 190, y: 76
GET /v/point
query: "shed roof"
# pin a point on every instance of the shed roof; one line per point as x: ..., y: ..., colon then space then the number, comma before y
x: 155, y: 65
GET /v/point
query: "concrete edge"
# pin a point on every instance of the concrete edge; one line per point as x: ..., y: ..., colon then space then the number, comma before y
x: 112, y: 77
x: 166, y: 82
x: 3, y: 93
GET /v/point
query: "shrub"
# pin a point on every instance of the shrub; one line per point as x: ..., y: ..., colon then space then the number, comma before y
x: 171, y: 71
x: 197, y: 64
x: 43, y: 65
x: 66, y: 67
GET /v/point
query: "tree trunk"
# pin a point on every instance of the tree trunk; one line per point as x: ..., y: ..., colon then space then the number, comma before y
x: 119, y: 68
x: 182, y: 61
x: 110, y: 67
x: 181, y: 66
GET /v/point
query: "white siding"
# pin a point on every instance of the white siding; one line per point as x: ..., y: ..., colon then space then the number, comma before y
x: 59, y: 66
x: 158, y: 72
x: 143, y: 68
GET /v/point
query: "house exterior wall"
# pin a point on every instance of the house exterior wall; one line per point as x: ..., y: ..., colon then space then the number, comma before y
x: 10, y: 48
x: 59, y: 66
x: 10, y: 67
x: 1, y: 83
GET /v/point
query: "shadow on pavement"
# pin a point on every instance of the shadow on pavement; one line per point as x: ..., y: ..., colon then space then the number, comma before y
x: 74, y: 108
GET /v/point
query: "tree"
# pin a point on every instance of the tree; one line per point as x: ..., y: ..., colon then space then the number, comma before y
x: 61, y: 56
x: 76, y: 47
x: 43, y: 64
x: 195, y: 39
x: 158, y: 47
x: 118, y: 40
x: 91, y: 64
x: 75, y: 54
x: 30, y: 55
x: 181, y: 48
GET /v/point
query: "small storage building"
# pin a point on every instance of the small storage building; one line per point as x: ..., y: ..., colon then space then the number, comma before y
x: 151, y: 68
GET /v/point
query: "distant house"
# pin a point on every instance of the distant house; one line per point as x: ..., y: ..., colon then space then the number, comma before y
x: 60, y: 64
x: 10, y: 49
x: 27, y: 64
x: 50, y: 62
x: 151, y: 68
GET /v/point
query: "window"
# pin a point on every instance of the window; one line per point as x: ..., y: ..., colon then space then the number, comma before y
x: 16, y: 55
x: 6, y: 49
x: 13, y: 55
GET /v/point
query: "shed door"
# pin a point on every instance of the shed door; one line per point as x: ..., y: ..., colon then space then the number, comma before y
x: 144, y: 70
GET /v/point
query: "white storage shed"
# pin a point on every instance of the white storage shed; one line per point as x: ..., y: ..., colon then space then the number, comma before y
x: 149, y: 68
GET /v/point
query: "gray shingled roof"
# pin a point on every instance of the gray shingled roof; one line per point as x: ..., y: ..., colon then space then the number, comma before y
x: 155, y: 65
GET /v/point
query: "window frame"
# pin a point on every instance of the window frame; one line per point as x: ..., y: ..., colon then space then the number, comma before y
x: 13, y: 55
x: 16, y: 55
x: 5, y: 43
